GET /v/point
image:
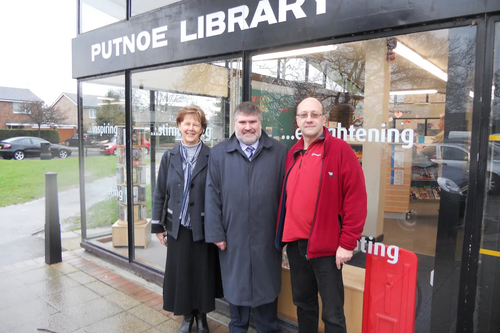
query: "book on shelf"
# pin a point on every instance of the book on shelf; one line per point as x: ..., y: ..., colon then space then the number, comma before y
x: 140, y: 212
x: 413, y: 193
x: 436, y: 190
x: 138, y: 156
x: 422, y: 193
x: 418, y: 173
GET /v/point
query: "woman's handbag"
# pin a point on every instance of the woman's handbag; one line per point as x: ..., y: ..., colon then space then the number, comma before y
x: 165, y: 204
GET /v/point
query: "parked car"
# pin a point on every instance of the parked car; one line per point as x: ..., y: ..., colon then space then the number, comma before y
x: 109, y: 147
x: 88, y: 139
x: 27, y: 146
x: 456, y: 157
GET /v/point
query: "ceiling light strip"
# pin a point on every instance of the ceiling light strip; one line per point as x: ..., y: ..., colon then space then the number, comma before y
x: 418, y: 60
x: 294, y: 53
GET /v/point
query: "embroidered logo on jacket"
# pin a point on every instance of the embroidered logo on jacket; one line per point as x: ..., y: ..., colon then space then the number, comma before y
x: 314, y: 154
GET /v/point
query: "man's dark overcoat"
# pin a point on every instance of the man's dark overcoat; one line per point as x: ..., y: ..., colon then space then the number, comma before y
x: 241, y: 207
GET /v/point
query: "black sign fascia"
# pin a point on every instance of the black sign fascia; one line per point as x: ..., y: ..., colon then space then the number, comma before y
x: 182, y: 31
x: 92, y: 53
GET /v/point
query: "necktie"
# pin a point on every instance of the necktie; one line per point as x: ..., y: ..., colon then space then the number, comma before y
x: 249, y: 151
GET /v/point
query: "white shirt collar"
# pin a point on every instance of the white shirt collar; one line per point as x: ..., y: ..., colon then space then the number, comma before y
x: 244, y: 146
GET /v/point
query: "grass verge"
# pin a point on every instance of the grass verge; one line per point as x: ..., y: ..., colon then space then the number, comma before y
x: 23, y: 181
x: 102, y: 214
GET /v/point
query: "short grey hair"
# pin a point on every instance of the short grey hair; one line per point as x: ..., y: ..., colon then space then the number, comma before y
x: 247, y: 108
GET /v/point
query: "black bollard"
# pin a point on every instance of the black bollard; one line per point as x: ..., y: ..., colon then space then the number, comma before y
x: 45, y: 153
x: 52, y: 228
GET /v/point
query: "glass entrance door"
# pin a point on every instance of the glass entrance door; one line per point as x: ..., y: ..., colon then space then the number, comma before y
x: 404, y: 104
x: 488, y: 289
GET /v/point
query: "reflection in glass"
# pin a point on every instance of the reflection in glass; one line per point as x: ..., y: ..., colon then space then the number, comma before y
x: 104, y: 165
x: 390, y: 108
x: 142, y: 6
x: 98, y: 13
x: 488, y: 302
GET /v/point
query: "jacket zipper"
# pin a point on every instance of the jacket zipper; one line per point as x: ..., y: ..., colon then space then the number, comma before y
x: 317, y: 201
x: 283, y: 201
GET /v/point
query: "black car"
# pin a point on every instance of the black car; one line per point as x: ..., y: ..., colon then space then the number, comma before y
x: 29, y: 146
x: 88, y: 139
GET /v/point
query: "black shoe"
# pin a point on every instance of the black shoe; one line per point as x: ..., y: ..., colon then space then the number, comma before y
x: 201, y: 322
x: 187, y: 324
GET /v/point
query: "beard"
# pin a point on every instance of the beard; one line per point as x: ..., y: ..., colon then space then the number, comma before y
x: 248, y: 140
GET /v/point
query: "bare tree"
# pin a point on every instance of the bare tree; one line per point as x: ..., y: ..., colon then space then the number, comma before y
x: 41, y: 114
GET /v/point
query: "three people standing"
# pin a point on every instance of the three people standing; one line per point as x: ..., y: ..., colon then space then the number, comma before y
x: 246, y: 192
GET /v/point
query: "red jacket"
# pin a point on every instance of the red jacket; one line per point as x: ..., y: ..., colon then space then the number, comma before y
x: 340, y: 212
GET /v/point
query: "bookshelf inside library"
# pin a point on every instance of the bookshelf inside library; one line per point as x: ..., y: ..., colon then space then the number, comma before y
x: 142, y: 227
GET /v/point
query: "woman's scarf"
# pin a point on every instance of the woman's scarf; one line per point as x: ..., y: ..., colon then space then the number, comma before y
x: 188, y: 166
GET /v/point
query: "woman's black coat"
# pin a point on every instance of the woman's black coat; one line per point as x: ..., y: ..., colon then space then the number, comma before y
x: 172, y: 189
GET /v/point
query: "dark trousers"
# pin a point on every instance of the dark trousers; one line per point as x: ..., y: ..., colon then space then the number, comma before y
x: 265, y: 318
x: 307, y: 278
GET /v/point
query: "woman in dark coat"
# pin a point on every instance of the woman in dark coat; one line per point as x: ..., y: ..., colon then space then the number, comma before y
x: 192, y: 275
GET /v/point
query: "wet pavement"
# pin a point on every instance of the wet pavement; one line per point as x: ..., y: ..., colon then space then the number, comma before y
x: 83, y: 294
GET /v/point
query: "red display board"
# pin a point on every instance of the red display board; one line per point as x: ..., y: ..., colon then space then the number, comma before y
x: 390, y: 291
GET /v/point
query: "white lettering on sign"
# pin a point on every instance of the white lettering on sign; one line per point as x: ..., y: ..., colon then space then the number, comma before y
x: 296, y: 8
x: 232, y: 18
x: 159, y: 37
x: 209, y: 25
x: 378, y: 249
x: 263, y: 13
x: 142, y: 43
x: 391, y: 135
x: 215, y: 23
x: 320, y: 7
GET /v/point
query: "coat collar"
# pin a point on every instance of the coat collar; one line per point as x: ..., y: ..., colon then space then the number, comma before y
x: 202, y: 162
x: 300, y: 144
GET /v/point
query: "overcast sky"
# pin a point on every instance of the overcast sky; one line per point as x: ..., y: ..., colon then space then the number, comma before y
x: 35, y: 46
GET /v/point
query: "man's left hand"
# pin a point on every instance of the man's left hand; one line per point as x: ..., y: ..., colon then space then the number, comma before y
x: 342, y: 256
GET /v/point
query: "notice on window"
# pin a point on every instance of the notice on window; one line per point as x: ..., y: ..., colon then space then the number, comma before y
x: 397, y: 159
x: 397, y: 177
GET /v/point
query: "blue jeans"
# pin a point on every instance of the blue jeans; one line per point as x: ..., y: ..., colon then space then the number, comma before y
x: 265, y: 318
x: 307, y: 278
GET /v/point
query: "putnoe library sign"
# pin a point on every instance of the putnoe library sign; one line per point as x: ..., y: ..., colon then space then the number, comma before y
x: 169, y: 35
x: 204, y: 28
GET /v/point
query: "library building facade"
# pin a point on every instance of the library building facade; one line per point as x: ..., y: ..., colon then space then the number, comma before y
x: 413, y: 87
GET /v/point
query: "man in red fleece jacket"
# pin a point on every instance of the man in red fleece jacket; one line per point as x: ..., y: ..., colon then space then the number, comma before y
x: 321, y: 217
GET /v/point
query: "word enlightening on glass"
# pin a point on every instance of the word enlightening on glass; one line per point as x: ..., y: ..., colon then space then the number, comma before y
x: 389, y: 135
x: 368, y: 245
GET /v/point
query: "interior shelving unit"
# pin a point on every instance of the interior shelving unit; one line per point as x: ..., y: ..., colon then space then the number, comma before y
x: 142, y: 227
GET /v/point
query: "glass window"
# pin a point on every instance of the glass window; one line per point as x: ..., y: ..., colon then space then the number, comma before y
x: 24, y: 141
x: 157, y: 96
x: 142, y: 6
x: 388, y: 107
x: 21, y: 108
x: 104, y: 221
x: 488, y: 288
x: 92, y: 113
x: 98, y: 13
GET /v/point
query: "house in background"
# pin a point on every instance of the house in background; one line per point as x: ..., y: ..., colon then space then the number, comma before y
x: 68, y: 103
x: 12, y: 111
x: 13, y: 114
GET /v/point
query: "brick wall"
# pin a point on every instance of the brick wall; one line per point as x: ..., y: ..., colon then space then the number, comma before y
x: 7, y: 114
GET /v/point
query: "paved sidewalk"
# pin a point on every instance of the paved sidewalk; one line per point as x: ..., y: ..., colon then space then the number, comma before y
x: 82, y: 296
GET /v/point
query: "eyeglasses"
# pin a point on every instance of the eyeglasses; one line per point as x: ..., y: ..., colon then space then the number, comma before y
x: 313, y: 115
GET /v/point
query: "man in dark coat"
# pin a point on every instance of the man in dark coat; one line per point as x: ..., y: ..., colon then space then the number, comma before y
x: 245, y: 177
